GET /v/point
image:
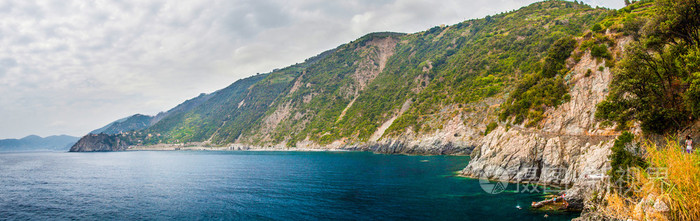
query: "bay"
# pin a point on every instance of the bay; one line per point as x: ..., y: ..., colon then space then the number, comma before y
x: 241, y: 185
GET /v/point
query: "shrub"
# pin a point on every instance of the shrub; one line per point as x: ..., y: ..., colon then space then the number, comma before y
x: 490, y: 127
x: 600, y: 51
x: 622, y: 158
x: 675, y: 182
x: 597, y: 28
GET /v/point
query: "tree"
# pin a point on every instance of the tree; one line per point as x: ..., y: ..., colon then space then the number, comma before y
x: 678, y: 21
x: 658, y: 81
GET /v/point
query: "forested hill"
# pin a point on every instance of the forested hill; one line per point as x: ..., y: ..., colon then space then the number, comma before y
x: 389, y: 87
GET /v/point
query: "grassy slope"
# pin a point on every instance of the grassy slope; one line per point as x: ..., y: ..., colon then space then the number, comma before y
x: 443, y: 66
x: 497, y: 52
x: 456, y: 64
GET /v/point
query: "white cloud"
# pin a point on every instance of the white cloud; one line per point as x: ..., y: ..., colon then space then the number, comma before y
x: 67, y: 67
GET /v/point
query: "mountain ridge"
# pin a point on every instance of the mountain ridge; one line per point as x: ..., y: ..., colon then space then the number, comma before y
x: 36, y: 143
x: 379, y: 89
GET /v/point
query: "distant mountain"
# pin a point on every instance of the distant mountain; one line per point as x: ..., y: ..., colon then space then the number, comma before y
x: 33, y: 143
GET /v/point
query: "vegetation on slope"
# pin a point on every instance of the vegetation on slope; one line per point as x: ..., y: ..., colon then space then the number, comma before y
x: 501, y: 50
x: 256, y: 101
x: 443, y: 68
x: 134, y: 122
x: 655, y: 84
x: 542, y: 89
x: 324, y: 90
x: 625, y: 155
x: 201, y: 122
x: 658, y: 81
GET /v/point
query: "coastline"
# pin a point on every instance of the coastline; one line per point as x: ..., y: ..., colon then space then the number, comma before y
x: 414, y: 151
x: 163, y: 147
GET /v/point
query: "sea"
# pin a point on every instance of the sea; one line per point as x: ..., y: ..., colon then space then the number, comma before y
x: 248, y: 185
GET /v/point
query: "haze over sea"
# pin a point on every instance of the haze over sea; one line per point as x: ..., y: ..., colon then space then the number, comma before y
x: 190, y: 185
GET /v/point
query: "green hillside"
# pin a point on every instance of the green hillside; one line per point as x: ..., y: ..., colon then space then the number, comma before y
x: 445, y: 65
x: 403, y: 82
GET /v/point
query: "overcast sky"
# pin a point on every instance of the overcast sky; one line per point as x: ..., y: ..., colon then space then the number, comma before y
x: 71, y: 66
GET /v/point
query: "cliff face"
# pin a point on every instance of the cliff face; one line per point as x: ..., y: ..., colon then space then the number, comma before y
x: 566, y: 148
x: 100, y: 143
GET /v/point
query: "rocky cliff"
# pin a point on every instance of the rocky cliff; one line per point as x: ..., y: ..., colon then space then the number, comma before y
x: 567, y: 148
x: 100, y: 143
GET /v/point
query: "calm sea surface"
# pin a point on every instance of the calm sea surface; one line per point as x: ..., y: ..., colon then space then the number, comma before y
x: 193, y: 185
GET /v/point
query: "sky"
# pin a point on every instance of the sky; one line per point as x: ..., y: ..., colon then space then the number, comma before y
x: 71, y: 66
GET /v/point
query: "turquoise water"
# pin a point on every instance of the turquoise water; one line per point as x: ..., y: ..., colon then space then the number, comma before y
x: 191, y: 185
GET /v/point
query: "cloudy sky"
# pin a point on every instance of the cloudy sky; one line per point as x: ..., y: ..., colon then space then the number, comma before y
x: 70, y: 66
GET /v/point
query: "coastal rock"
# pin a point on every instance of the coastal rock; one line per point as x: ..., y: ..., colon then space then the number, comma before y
x: 660, y: 206
x: 435, y: 147
x: 549, y: 159
x: 575, y: 198
x: 651, y: 207
x: 100, y: 143
x: 566, y: 148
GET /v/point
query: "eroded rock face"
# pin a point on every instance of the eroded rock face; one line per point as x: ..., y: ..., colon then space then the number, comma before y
x: 403, y: 147
x: 525, y: 155
x: 460, y: 130
x: 564, y: 149
x: 567, y: 145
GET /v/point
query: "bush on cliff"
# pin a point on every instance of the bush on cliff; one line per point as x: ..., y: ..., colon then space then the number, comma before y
x: 622, y: 158
x: 656, y: 82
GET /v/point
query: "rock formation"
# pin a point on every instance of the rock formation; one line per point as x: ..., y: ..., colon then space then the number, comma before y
x: 100, y: 143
